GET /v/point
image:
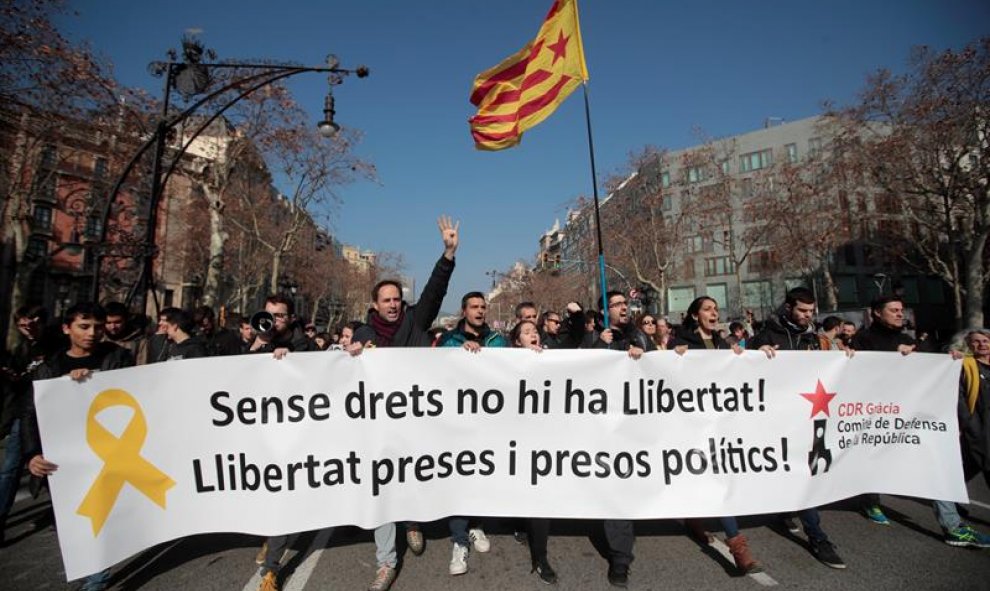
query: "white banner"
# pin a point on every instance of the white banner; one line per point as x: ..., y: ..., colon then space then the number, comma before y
x: 257, y: 445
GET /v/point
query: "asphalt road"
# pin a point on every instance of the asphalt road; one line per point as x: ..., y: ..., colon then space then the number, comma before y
x: 909, y: 554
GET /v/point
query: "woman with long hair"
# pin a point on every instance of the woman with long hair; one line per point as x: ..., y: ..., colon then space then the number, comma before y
x: 700, y: 331
x: 526, y: 335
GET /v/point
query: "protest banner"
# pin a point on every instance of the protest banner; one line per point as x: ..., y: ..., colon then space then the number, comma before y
x: 257, y: 445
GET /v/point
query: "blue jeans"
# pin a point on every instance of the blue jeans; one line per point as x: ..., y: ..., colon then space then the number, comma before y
x: 10, y: 471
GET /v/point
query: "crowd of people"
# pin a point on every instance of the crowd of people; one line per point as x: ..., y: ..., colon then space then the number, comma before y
x: 90, y: 337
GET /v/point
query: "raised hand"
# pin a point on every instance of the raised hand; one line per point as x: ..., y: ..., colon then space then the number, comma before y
x: 448, y: 232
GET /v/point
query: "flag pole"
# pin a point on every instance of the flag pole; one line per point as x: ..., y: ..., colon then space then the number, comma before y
x: 598, y: 219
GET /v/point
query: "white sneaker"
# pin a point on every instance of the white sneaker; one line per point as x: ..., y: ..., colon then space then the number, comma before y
x: 479, y: 540
x: 458, y: 560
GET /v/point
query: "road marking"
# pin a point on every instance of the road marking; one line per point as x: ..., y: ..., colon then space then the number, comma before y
x: 761, y: 578
x: 301, y: 575
x: 979, y: 504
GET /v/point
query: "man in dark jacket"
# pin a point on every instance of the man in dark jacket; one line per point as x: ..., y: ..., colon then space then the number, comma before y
x: 566, y: 333
x: 622, y: 334
x: 885, y: 333
x: 179, y: 327
x: 285, y: 335
x: 791, y: 329
x: 218, y: 341
x: 397, y: 324
x: 34, y: 346
x: 87, y: 352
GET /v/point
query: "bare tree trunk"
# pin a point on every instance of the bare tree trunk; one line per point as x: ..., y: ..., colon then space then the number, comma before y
x: 276, y: 269
x: 974, y: 284
x: 831, y: 295
x: 218, y: 239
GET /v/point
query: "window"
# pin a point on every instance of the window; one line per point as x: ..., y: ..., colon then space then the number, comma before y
x: 679, y: 298
x: 696, y: 174
x: 719, y: 266
x: 667, y: 203
x: 695, y: 244
x: 100, y: 169
x: 48, y: 156
x: 762, y: 262
x: 687, y: 272
x: 46, y: 186
x: 755, y: 160
x: 37, y: 247
x: 718, y: 292
x: 792, y: 154
x: 94, y: 227
x: 757, y: 295
x: 42, y: 218
x: 725, y: 167
x: 814, y: 146
x: 665, y: 180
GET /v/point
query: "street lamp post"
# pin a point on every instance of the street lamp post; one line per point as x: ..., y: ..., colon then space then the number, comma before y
x: 191, y: 77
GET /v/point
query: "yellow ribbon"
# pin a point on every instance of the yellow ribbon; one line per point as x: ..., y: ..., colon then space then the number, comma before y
x: 122, y: 461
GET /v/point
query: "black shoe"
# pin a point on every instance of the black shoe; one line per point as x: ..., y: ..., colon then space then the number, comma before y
x: 618, y: 576
x: 825, y: 552
x: 791, y: 525
x: 520, y: 537
x: 545, y: 572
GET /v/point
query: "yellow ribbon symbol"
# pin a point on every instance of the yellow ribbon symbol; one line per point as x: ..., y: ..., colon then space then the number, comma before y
x: 122, y: 461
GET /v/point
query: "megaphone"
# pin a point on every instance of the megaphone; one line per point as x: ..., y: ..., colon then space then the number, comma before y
x: 263, y: 322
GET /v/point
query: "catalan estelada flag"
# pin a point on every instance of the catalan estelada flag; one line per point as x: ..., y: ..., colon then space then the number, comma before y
x: 525, y: 89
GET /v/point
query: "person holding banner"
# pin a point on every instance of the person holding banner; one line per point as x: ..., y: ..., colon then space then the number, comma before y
x: 87, y: 352
x: 700, y: 331
x: 397, y: 324
x: 792, y: 330
x: 525, y: 334
x: 472, y: 333
x: 885, y: 333
x: 621, y: 335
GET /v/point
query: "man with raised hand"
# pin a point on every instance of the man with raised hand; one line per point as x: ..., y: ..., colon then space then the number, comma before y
x: 391, y: 322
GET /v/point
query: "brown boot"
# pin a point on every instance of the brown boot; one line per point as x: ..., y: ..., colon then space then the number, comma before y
x: 739, y: 547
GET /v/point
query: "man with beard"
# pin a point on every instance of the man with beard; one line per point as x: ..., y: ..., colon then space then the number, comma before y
x: 791, y: 329
x: 397, y: 324
x: 119, y: 328
x: 472, y: 333
x: 622, y: 334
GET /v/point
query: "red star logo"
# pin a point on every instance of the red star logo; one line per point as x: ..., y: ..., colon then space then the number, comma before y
x: 559, y: 48
x: 819, y: 399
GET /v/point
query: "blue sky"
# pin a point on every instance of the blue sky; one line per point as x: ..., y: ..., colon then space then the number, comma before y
x: 659, y: 70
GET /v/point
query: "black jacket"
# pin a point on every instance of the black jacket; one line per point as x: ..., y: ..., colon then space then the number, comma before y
x: 880, y: 338
x: 417, y: 319
x: 106, y: 356
x: 569, y: 336
x: 190, y: 348
x: 785, y: 336
x: 294, y: 340
x: 693, y: 340
x: 624, y: 337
